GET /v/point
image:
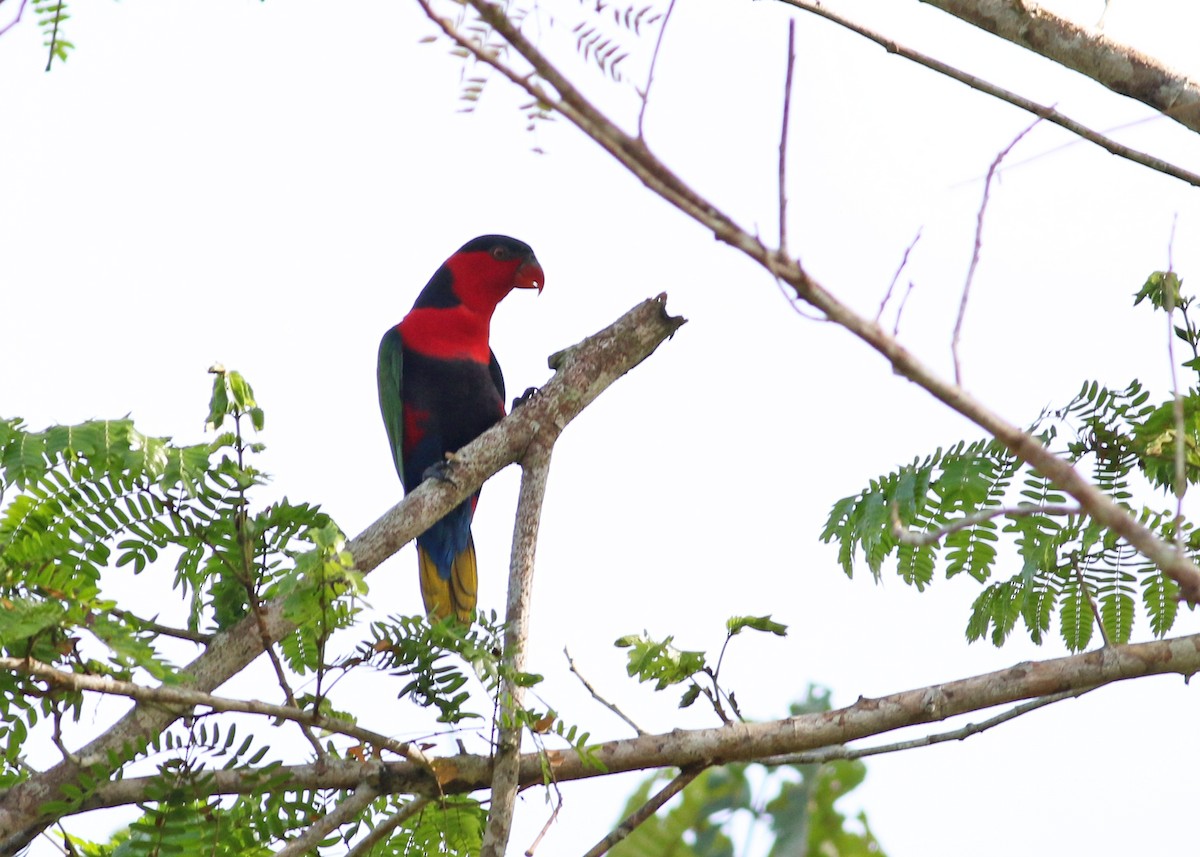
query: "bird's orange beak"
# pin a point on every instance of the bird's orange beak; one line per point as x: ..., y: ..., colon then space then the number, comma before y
x: 530, y: 276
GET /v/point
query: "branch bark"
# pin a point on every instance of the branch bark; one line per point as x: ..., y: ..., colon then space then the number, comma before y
x: 980, y: 85
x: 633, y: 154
x: 582, y: 373
x: 1119, y: 67
x: 738, y: 742
x: 536, y: 467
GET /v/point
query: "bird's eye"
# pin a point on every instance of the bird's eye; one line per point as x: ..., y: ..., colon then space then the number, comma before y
x: 501, y: 254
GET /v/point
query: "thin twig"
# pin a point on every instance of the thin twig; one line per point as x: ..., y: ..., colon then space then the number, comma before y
x: 966, y: 292
x: 14, y: 21
x: 280, y: 677
x: 162, y: 630
x: 507, y: 771
x: 385, y: 827
x: 558, y: 802
x: 911, y: 537
x: 900, y: 309
x: 1171, y: 296
x: 171, y: 696
x: 645, y: 93
x: 895, y: 278
x: 346, y: 811
x: 783, y: 135
x: 840, y: 751
x: 980, y: 85
x: 1092, y: 605
x: 600, y: 699
x: 645, y: 811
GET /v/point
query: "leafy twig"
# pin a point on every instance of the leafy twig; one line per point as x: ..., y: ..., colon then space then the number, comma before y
x: 173, y: 696
x: 918, y: 539
x: 346, y: 812
x: 384, y: 828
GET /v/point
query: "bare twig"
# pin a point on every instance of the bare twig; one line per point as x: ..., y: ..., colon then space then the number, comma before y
x: 911, y: 537
x: 549, y: 822
x: 783, y: 136
x: 1171, y: 299
x: 980, y: 85
x: 16, y: 20
x: 346, y: 812
x: 895, y: 277
x: 385, y: 827
x: 506, y: 776
x: 966, y: 292
x: 900, y: 309
x: 832, y: 754
x: 645, y: 811
x: 600, y: 699
x: 162, y: 630
x: 645, y: 93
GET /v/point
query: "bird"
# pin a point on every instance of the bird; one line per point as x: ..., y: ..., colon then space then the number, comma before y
x: 440, y: 387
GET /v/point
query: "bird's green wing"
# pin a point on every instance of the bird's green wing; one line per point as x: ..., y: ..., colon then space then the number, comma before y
x: 391, y: 402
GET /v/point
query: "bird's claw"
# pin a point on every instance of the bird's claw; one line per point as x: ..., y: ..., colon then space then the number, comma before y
x: 441, y: 470
x: 530, y: 394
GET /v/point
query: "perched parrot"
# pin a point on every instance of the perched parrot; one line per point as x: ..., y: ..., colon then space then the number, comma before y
x: 440, y: 387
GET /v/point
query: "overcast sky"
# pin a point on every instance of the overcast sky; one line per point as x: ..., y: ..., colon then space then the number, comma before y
x: 270, y: 185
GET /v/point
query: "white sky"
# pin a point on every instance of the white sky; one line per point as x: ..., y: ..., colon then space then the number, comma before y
x: 271, y: 185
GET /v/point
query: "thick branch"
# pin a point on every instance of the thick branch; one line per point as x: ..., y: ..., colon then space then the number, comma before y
x: 738, y: 742
x: 980, y: 85
x: 1119, y: 67
x: 583, y: 372
x: 635, y: 156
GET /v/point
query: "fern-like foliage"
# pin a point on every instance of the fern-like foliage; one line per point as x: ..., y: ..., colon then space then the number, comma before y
x: 83, y: 507
x: 990, y: 515
x: 51, y: 15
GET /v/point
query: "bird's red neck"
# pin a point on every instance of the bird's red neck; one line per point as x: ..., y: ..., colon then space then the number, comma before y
x: 450, y: 333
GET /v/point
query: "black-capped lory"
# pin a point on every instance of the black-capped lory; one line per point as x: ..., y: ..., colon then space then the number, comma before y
x: 440, y: 387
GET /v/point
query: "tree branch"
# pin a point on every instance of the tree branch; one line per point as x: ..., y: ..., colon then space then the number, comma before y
x: 1041, y: 681
x: 583, y: 372
x: 186, y: 700
x: 345, y: 812
x: 980, y: 85
x: 638, y: 159
x: 912, y: 537
x: 645, y: 811
x: 1121, y: 68
x: 535, y: 468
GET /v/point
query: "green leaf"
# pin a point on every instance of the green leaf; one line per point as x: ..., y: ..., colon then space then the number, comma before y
x: 736, y: 624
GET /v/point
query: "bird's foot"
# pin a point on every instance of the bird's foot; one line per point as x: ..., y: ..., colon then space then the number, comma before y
x: 441, y: 471
x: 529, y: 395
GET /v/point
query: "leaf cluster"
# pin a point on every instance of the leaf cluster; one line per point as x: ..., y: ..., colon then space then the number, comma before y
x: 975, y: 508
x: 793, y: 805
